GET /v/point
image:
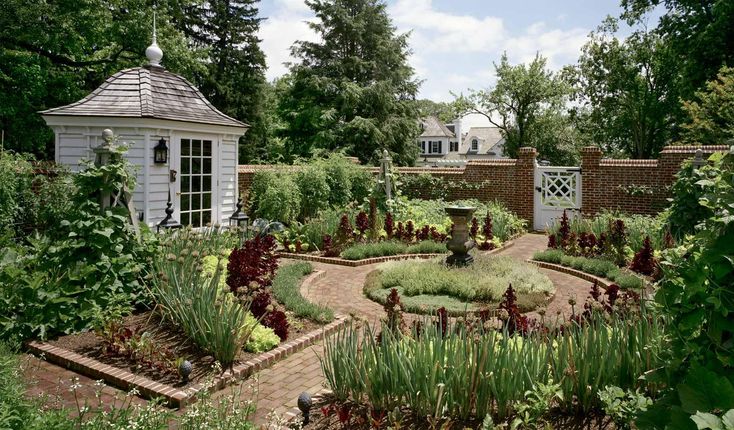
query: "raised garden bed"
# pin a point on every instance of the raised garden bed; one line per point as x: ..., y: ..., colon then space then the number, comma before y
x: 153, y: 348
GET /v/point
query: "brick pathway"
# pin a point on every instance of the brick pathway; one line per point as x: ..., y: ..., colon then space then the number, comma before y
x: 279, y: 386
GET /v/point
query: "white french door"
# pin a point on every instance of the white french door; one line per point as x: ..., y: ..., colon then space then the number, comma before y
x: 197, y: 180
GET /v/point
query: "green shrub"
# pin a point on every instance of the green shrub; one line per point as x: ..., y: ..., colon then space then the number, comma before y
x: 595, y: 266
x: 436, y: 375
x: 361, y: 251
x: 427, y: 247
x: 550, y: 256
x: 505, y: 224
x: 485, y: 280
x: 275, y: 196
x: 90, y: 264
x: 287, y: 290
x: 685, y: 211
x: 314, y: 187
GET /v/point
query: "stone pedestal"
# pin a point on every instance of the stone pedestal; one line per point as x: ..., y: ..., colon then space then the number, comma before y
x: 460, y: 242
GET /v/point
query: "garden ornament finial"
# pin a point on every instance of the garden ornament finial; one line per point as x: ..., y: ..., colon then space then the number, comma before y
x: 154, y: 53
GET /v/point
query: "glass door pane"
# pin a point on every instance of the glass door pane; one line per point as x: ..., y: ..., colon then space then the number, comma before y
x: 196, y: 182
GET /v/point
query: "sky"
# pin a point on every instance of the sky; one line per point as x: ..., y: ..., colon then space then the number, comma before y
x: 456, y: 42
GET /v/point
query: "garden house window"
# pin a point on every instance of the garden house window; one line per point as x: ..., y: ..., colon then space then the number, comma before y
x: 474, y: 145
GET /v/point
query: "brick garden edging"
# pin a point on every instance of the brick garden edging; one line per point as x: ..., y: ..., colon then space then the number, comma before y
x: 179, y: 396
x: 603, y: 282
x: 356, y: 263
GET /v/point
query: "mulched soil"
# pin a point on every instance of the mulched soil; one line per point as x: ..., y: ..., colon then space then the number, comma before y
x: 165, y: 336
x: 359, y: 421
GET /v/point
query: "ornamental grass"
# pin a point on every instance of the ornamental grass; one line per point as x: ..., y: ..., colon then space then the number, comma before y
x: 468, y: 374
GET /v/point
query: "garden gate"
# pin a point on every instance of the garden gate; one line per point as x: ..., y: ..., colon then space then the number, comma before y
x: 556, y: 189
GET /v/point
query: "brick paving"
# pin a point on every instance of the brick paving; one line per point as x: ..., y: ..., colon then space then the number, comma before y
x: 278, y: 387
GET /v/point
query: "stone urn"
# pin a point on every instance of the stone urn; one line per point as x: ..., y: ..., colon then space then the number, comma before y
x: 460, y: 242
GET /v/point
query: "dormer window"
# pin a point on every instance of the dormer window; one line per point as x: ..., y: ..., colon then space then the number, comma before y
x: 475, y: 145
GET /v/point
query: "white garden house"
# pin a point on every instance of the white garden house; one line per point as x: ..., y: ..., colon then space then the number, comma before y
x: 148, y: 107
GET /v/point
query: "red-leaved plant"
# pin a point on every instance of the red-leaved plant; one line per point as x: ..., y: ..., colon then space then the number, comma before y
x: 474, y: 229
x: 564, y: 231
x: 487, y: 244
x: 409, y: 231
x: 400, y: 231
x: 277, y: 320
x: 644, y: 260
x: 389, y: 225
x: 362, y: 222
x: 254, y: 263
x: 514, y: 321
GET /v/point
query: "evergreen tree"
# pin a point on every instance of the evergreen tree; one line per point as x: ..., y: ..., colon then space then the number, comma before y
x: 235, y: 77
x: 352, y: 91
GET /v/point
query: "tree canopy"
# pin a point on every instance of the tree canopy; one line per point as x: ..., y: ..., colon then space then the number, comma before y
x: 353, y: 90
x: 528, y: 104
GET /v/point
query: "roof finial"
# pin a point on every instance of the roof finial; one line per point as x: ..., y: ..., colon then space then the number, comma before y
x: 154, y: 53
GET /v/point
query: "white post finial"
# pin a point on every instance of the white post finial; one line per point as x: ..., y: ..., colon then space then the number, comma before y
x: 154, y: 53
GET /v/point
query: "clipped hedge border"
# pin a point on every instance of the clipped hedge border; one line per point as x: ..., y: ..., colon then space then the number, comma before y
x: 603, y: 282
x: 356, y: 263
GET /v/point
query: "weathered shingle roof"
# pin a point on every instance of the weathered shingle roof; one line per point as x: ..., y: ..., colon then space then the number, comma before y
x: 433, y: 127
x: 147, y: 92
x: 489, y: 136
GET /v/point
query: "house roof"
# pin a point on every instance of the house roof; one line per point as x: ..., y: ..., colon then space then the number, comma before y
x: 433, y: 127
x: 489, y: 136
x: 147, y: 92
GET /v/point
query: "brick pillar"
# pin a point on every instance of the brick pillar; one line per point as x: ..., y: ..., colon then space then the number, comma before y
x: 525, y: 184
x: 591, y: 178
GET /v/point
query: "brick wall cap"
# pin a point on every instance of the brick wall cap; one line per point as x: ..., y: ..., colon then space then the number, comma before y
x: 591, y: 149
x: 527, y: 150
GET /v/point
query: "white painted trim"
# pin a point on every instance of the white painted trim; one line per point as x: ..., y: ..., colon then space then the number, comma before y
x: 112, y: 122
x: 146, y: 176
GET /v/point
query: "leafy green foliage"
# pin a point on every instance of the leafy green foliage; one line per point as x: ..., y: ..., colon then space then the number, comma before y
x: 399, y: 370
x: 711, y: 112
x: 88, y: 263
x: 686, y: 213
x: 697, y: 34
x: 55, y: 53
x: 275, y: 196
x: 705, y: 420
x: 628, y: 102
x: 287, y: 290
x: 314, y: 187
x: 622, y: 406
x: 355, y: 100
x: 537, y: 403
x: 530, y: 100
x: 505, y: 224
x: 696, y: 294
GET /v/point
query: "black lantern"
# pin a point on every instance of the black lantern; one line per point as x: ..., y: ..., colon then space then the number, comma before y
x: 168, y: 222
x: 239, y: 218
x: 160, y: 152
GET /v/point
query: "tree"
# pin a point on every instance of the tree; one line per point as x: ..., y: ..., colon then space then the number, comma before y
x: 711, y: 113
x: 625, y: 90
x: 234, y: 80
x: 353, y: 90
x: 55, y: 52
x: 528, y: 105
x: 699, y: 34
x: 442, y: 110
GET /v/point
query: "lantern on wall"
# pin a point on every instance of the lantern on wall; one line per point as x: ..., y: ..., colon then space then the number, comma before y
x: 160, y: 152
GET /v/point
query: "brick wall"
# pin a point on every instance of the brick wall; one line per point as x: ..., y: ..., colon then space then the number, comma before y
x: 606, y: 183
x: 632, y: 186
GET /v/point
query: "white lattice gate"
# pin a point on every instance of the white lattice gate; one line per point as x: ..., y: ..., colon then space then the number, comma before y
x: 556, y: 189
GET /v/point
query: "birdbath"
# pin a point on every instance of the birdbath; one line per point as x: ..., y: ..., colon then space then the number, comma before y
x: 460, y: 242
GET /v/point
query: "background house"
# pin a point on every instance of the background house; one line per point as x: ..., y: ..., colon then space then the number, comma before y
x: 446, y: 144
x: 147, y: 106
